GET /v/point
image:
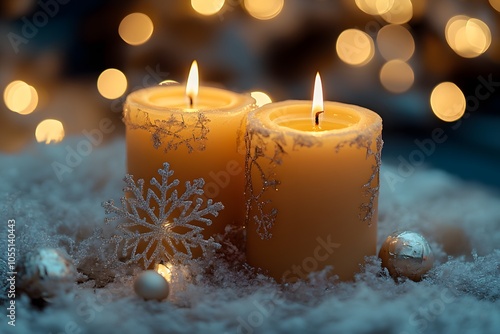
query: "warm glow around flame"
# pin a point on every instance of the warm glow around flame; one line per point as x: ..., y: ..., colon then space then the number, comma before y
x: 317, y: 104
x: 192, y: 84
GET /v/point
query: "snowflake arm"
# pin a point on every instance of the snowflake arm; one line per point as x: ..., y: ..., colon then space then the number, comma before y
x: 170, y: 230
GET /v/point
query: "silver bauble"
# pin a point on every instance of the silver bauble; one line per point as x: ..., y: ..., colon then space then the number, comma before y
x: 151, y: 285
x: 406, y: 254
x: 45, y: 272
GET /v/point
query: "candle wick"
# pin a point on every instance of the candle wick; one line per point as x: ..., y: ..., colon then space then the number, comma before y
x: 316, y: 117
x: 190, y: 101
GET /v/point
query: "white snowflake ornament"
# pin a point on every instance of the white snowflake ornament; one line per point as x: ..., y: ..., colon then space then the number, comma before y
x: 158, y: 218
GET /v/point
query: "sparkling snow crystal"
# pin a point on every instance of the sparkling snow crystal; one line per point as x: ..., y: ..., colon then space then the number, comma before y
x: 158, y: 225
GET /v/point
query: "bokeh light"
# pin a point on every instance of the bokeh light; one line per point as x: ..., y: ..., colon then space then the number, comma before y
x: 397, y: 76
x: 455, y: 25
x: 400, y: 12
x: 49, y: 131
x: 448, y: 102
x: 419, y: 8
x: 112, y: 83
x: 495, y: 4
x: 261, y: 98
x: 165, y: 271
x: 478, y: 35
x: 20, y: 97
x: 168, y: 82
x: 207, y: 7
x: 375, y: 7
x: 33, y: 102
x: 468, y: 37
x: 264, y: 9
x: 136, y: 28
x: 355, y: 47
x: 395, y: 42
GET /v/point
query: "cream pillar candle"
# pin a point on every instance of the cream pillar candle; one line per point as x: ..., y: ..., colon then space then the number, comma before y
x: 311, y: 190
x: 199, y: 136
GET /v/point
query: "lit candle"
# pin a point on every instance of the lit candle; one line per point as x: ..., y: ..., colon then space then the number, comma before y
x: 312, y: 187
x: 199, y: 132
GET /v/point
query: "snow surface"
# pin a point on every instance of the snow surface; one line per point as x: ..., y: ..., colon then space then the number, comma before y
x: 460, y: 295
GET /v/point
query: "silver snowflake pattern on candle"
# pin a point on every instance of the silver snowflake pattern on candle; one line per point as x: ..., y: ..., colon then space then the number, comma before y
x: 157, y: 224
x: 371, y: 187
x: 189, y: 130
x: 256, y: 149
x: 256, y: 157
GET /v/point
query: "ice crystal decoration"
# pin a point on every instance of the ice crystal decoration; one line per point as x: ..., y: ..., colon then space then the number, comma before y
x: 157, y: 224
x: 178, y: 130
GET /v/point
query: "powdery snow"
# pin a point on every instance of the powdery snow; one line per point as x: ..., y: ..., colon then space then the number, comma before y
x: 460, y: 295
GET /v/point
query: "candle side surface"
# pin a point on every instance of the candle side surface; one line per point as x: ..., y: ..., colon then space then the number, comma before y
x: 311, y: 195
x: 197, y: 143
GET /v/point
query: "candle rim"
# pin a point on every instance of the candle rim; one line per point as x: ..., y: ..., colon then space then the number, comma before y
x: 235, y: 101
x: 261, y: 118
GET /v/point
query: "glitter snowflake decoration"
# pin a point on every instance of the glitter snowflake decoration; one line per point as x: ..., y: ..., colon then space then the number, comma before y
x: 158, y: 225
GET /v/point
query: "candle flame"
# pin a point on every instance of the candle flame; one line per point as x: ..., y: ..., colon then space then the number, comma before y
x: 192, y: 84
x: 317, y: 105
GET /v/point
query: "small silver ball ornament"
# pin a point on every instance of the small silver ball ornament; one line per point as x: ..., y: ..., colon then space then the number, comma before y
x: 150, y: 285
x: 406, y: 254
x: 45, y: 272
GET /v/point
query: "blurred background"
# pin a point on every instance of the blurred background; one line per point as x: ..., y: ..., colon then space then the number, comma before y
x: 422, y: 65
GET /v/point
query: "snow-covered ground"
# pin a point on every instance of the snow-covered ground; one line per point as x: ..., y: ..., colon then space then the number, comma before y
x: 61, y: 208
